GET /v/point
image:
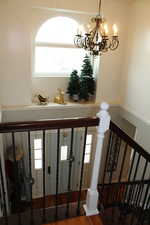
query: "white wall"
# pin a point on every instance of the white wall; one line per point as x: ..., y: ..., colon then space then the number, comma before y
x: 15, y: 53
x: 136, y: 70
x: 110, y: 70
x: 16, y: 24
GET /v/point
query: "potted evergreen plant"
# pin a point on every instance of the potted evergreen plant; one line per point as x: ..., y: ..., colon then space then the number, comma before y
x: 74, y: 86
x: 87, y: 81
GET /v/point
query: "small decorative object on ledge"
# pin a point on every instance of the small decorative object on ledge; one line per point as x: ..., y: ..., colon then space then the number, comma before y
x: 40, y: 99
x: 60, y: 99
x: 74, y: 86
x: 87, y: 81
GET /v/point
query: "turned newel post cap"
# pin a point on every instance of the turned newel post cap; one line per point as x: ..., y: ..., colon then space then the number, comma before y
x: 104, y: 118
x: 104, y: 106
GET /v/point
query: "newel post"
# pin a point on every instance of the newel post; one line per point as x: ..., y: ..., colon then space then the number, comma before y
x: 92, y: 194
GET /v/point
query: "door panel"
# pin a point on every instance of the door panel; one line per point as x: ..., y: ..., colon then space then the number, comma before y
x: 64, y: 161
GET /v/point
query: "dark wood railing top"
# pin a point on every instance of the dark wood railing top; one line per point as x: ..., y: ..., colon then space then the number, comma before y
x: 120, y: 133
x: 70, y: 123
x: 48, y: 124
x: 140, y: 182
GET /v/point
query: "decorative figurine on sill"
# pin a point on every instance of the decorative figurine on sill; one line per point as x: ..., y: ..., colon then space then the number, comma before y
x: 60, y: 99
x: 40, y: 99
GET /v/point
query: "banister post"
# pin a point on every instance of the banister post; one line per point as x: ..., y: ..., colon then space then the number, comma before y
x: 92, y: 194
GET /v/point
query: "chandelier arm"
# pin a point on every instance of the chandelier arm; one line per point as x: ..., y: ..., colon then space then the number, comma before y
x: 93, y: 32
x: 114, y: 44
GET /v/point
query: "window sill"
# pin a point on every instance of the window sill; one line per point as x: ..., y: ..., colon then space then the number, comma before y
x: 51, y: 105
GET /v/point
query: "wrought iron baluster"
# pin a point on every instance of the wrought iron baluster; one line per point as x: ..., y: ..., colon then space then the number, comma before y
x: 114, y: 139
x: 30, y: 178
x: 129, y: 177
x: 57, y: 173
x: 142, y: 185
x: 44, y: 187
x: 81, y: 174
x: 140, y: 218
x: 3, y: 195
x: 70, y: 171
x: 131, y: 191
x: 116, y: 144
x: 123, y: 161
x: 17, y: 186
x: 108, y: 150
x: 106, y: 163
x: 121, y: 171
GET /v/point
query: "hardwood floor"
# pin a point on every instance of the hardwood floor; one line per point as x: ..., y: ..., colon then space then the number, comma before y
x: 81, y: 220
x: 62, y: 199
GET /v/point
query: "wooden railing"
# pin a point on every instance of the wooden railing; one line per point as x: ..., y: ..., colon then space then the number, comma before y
x: 47, y: 214
x: 125, y: 181
x: 128, y: 190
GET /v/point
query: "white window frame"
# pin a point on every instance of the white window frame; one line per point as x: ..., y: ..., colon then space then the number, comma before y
x: 55, y: 45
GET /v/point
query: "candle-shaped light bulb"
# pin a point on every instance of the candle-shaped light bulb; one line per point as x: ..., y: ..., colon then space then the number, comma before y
x: 80, y: 29
x: 105, y: 29
x: 88, y: 27
x: 115, y: 30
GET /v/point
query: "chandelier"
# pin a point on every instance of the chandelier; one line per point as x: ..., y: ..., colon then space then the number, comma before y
x: 96, y: 40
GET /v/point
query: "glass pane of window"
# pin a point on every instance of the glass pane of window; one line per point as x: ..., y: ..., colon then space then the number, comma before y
x: 38, y: 164
x: 58, y: 30
x: 58, y: 60
x: 38, y: 154
x: 87, y: 158
x: 88, y: 149
x: 89, y: 139
x: 64, y: 153
x: 37, y: 143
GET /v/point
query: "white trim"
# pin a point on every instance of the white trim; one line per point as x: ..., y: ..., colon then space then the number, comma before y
x: 138, y: 116
x: 51, y: 74
x: 90, y: 212
x: 51, y: 105
x: 66, y: 11
x: 54, y: 45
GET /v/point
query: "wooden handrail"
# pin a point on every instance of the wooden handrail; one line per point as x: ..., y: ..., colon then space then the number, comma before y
x: 120, y: 133
x: 70, y: 123
x: 126, y: 183
x: 48, y: 124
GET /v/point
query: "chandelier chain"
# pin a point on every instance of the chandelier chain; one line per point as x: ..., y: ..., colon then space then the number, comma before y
x: 99, y: 7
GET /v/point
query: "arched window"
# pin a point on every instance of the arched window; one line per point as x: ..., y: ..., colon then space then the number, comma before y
x: 55, y: 53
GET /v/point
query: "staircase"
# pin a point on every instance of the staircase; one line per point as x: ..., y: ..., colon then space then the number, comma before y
x: 119, y: 193
x: 82, y: 220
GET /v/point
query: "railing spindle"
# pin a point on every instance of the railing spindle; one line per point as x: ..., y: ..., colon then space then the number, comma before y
x: 131, y: 191
x: 123, y: 161
x: 57, y: 173
x: 129, y: 177
x: 44, y: 187
x: 81, y: 174
x: 71, y: 159
x: 17, y: 189
x: 3, y: 195
x: 107, y: 154
x: 139, y: 193
x: 30, y: 178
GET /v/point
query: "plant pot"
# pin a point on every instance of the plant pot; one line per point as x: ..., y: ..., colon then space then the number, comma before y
x: 75, y: 98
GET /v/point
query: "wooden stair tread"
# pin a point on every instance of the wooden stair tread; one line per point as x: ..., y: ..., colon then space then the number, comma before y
x: 81, y: 220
